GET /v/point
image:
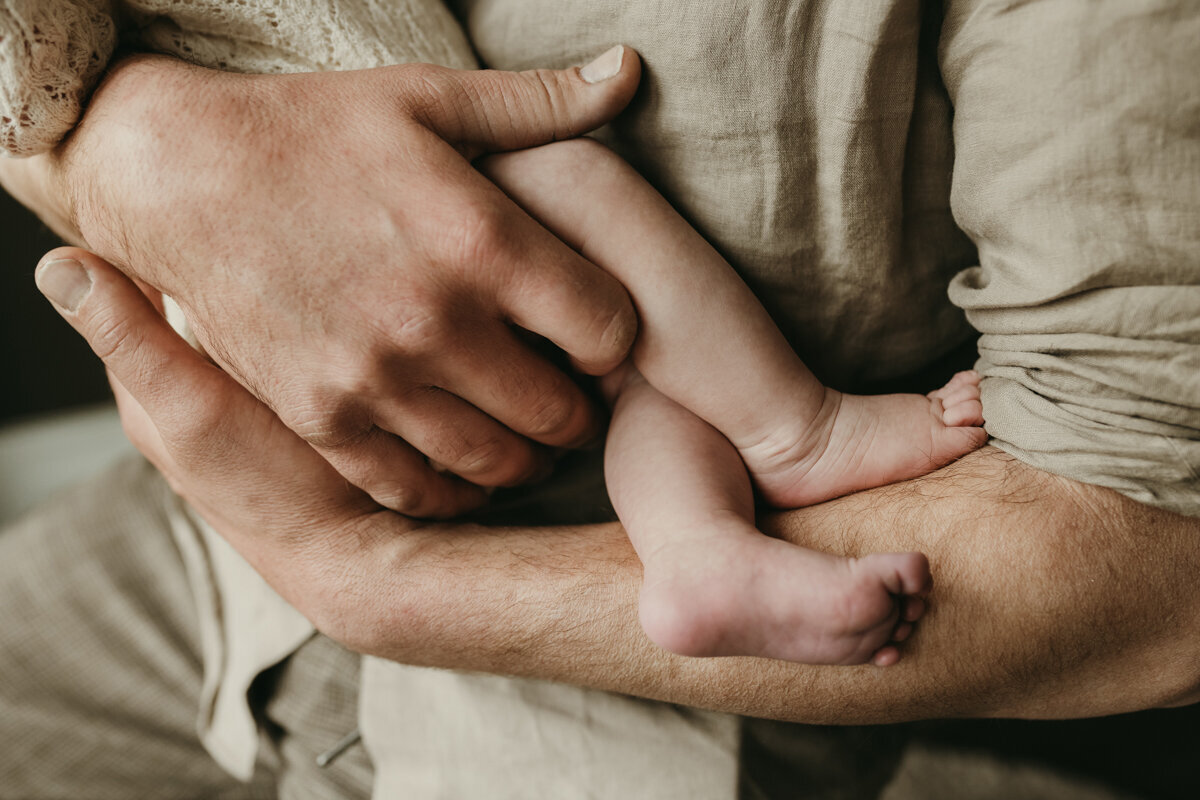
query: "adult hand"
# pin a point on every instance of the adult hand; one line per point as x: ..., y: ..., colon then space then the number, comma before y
x: 337, y: 254
x: 217, y: 445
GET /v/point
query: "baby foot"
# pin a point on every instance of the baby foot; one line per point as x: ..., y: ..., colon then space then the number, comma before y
x: 860, y: 442
x: 749, y: 594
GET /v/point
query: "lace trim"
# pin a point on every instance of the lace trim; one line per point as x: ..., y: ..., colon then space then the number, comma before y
x: 53, y: 51
x: 51, y: 55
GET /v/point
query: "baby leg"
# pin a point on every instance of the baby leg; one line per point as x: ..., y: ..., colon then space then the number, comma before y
x: 714, y: 585
x: 706, y: 342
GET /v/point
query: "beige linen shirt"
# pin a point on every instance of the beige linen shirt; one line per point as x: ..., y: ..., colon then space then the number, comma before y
x: 852, y: 160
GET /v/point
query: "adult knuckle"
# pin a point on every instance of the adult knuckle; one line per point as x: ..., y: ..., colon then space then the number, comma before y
x: 487, y: 103
x: 321, y: 423
x: 612, y: 332
x: 448, y: 446
x: 480, y: 458
x: 480, y: 234
x: 618, y: 329
x: 430, y: 75
x: 361, y: 378
x: 427, y: 87
x: 401, y: 497
x: 478, y: 249
x: 441, y: 99
x: 112, y: 337
x: 549, y: 413
x: 423, y: 329
x: 551, y: 88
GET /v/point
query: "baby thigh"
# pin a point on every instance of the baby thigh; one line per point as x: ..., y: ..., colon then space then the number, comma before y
x: 699, y: 324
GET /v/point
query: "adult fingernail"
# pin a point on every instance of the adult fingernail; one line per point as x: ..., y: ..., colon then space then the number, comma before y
x: 64, y: 281
x: 605, y: 66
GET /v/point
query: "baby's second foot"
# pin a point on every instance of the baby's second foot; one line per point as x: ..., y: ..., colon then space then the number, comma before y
x: 863, y: 441
x: 757, y: 596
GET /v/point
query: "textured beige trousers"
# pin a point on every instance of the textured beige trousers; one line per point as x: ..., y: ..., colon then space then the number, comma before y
x: 100, y: 665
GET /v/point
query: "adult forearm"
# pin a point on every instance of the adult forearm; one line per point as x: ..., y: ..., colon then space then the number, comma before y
x: 1051, y: 600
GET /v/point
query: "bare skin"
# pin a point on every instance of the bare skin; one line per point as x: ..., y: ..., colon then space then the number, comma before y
x: 714, y: 586
x: 1087, y: 596
x: 373, y: 319
x: 1011, y: 544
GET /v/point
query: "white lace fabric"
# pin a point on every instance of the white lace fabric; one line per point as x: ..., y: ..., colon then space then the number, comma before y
x: 53, y: 52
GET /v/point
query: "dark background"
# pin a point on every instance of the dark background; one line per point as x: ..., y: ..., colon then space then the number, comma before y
x: 48, y: 366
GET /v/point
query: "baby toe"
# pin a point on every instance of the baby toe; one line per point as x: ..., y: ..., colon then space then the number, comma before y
x: 965, y: 413
x: 886, y: 656
x: 914, y: 607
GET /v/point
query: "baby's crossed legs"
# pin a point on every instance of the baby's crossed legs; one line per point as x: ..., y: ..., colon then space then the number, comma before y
x: 723, y: 389
x: 713, y: 584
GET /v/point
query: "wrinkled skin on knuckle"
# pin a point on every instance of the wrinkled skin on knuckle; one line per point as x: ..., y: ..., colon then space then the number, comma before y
x: 112, y: 338
x: 452, y: 105
x: 402, y: 497
x: 617, y: 332
x: 479, y: 458
x: 427, y: 91
x: 323, y: 422
x: 423, y: 331
x: 550, y: 411
x: 477, y: 242
x: 486, y: 106
x: 451, y: 447
x: 609, y: 325
x: 354, y: 371
x: 547, y: 89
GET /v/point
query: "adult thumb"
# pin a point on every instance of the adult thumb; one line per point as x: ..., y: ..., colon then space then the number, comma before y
x: 123, y: 327
x: 493, y: 111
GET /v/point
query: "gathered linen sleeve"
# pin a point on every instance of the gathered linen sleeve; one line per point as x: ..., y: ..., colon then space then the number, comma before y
x: 1077, y: 174
x: 52, y: 53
